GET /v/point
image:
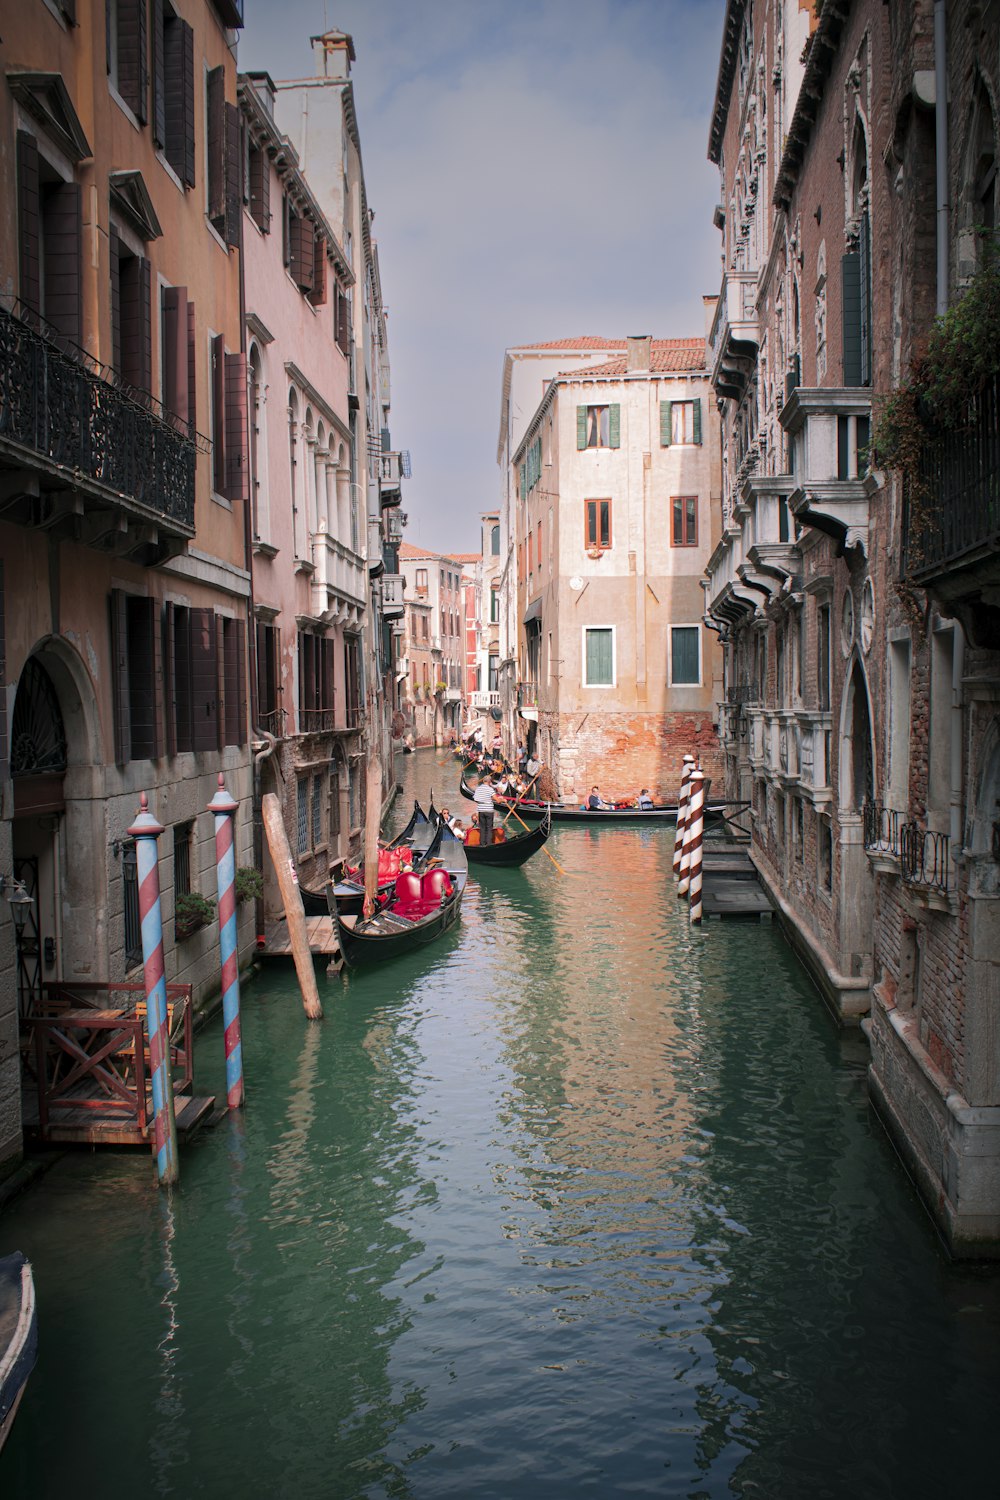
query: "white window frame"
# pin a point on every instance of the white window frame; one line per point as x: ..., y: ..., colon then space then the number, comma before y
x: 599, y: 686
x: 685, y: 625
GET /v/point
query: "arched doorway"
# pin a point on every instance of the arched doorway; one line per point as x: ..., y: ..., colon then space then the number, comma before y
x: 857, y: 757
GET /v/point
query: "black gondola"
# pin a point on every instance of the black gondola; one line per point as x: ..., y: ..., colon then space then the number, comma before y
x: 561, y: 813
x: 18, y: 1335
x: 350, y: 893
x: 514, y: 850
x: 421, y: 907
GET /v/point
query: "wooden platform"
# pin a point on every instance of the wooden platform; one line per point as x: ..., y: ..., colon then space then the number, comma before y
x: 95, y: 1127
x: 730, y: 884
x: 319, y: 930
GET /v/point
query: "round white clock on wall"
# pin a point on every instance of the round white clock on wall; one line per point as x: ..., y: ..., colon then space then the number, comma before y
x: 576, y: 583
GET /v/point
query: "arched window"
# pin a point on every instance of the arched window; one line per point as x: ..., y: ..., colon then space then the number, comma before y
x: 495, y: 541
x: 979, y: 209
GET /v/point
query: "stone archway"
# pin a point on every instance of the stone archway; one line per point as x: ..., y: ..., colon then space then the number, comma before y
x: 857, y: 743
x: 58, y: 827
x: 856, y: 784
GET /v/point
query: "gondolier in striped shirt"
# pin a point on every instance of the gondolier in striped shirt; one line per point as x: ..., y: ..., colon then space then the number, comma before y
x: 483, y: 798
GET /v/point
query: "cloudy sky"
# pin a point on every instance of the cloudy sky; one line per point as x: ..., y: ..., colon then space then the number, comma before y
x: 538, y: 170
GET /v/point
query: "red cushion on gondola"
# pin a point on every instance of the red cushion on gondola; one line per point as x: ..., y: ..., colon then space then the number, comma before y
x: 408, y: 894
x: 434, y: 886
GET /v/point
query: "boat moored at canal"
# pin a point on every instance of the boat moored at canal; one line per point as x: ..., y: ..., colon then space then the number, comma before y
x: 18, y: 1335
x: 423, y: 904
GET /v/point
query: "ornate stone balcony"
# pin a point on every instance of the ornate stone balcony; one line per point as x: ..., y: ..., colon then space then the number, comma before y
x: 830, y: 435
x: 393, y: 603
x: 84, y: 458
x: 733, y: 340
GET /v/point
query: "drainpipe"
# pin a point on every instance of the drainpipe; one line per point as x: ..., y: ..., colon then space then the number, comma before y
x: 957, y: 671
x: 941, y: 144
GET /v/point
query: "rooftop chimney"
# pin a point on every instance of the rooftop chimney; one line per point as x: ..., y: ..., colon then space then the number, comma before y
x: 334, y: 54
x: 639, y: 350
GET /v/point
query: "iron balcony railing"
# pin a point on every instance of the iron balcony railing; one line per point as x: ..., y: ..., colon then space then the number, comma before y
x: 924, y: 857
x: 57, y: 404
x: 955, y: 514
x: 882, y: 828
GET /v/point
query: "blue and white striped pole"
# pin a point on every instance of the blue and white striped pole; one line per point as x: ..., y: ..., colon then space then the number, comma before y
x: 224, y: 809
x: 146, y: 830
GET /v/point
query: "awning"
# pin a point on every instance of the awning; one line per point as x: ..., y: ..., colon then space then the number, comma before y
x: 533, y: 612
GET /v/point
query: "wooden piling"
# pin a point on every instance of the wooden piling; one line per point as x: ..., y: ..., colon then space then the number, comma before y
x: 291, y: 898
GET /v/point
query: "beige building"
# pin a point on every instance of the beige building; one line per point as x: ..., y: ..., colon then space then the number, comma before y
x: 614, y: 514
x: 435, y: 639
x: 124, y: 568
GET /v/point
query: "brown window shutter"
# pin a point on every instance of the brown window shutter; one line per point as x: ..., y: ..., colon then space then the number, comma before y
x: 300, y: 252
x: 27, y: 220
x: 144, y: 370
x: 159, y: 696
x: 178, y: 91
x: 218, y: 415
x: 133, y: 54
x: 62, y: 217
x: 116, y: 298
x: 136, y: 323
x: 227, y: 692
x: 120, y: 717
x: 260, y: 188
x: 192, y: 368
x: 175, y: 352
x: 140, y: 656
x: 317, y: 296
x: 234, y: 156
x: 237, y: 486
x: 216, y: 146
x: 344, y: 323
x: 241, y: 683
x: 158, y: 112
x: 170, y: 678
x: 204, y: 681
x: 183, y: 682
x: 108, y: 7
x: 220, y: 680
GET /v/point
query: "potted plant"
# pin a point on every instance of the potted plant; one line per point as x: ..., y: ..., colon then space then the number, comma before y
x: 191, y: 911
x: 249, y: 884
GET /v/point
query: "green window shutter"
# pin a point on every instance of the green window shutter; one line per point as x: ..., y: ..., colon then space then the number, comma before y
x: 666, y: 407
x: 581, y: 427
x: 599, y: 659
x: 524, y: 481
x: 684, y: 655
x: 538, y: 459
x: 614, y: 426
x: 696, y: 415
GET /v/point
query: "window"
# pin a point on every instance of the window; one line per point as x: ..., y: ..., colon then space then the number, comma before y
x: 597, y: 525
x: 685, y: 655
x: 495, y: 541
x: 899, y: 723
x: 230, y: 469
x: 302, y: 815
x: 421, y: 585
x: 822, y: 656
x: 130, y: 904
x: 136, y: 667
x: 269, y: 715
x: 352, y: 680
x: 342, y: 319
x: 684, y: 521
x: 173, y: 90
x: 177, y: 355
x: 315, y: 682
x: 223, y: 153
x: 824, y: 835
x: 317, y: 811
x: 598, y: 426
x: 131, y: 317
x: 182, y: 858
x: 680, y: 422
x: 493, y: 674
x: 258, y: 187
x: 50, y: 241
x: 205, y: 679
x: 599, y: 657
x: 127, y: 51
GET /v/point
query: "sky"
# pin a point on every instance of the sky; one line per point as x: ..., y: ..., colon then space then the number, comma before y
x: 538, y: 170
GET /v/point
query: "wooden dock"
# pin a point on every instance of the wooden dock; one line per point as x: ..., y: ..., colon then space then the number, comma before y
x: 90, y: 1126
x: 730, y: 884
x: 319, y: 930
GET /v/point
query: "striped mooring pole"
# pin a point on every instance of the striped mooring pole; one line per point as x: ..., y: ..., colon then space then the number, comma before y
x: 687, y: 766
x: 696, y: 826
x: 146, y: 830
x: 224, y: 809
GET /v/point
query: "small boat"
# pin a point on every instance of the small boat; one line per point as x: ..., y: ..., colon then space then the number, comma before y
x: 514, y: 850
x: 421, y: 906
x: 18, y: 1335
x: 350, y: 889
x: 561, y: 813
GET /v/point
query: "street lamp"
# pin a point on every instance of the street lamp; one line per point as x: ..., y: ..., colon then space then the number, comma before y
x: 18, y: 900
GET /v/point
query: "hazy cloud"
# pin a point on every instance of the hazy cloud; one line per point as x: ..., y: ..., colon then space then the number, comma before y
x: 537, y: 170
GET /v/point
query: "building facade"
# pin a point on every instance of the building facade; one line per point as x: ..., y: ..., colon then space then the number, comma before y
x: 615, y: 514
x: 123, y: 468
x: 433, y: 589
x: 852, y: 590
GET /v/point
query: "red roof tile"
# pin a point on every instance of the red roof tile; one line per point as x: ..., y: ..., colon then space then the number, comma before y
x: 681, y: 355
x: 594, y: 341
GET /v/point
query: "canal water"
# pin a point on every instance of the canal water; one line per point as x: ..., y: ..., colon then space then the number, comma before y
x: 580, y: 1202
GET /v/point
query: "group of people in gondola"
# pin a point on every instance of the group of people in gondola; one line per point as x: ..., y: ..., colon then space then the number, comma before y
x: 474, y: 832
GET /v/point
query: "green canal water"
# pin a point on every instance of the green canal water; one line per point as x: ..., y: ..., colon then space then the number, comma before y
x: 579, y: 1203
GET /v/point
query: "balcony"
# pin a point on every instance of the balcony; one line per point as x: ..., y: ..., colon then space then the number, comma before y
x: 376, y: 565
x: 733, y: 340
x: 953, y: 531
x: 393, y: 468
x: 83, y: 459
x: 484, y: 701
x: 393, y: 603
x: 830, y: 436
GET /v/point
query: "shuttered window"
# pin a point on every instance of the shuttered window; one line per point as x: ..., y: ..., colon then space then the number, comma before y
x: 224, y: 158
x: 137, y: 678
x: 128, y: 53
x: 599, y: 657
x: 174, y: 353
x: 204, y: 681
x: 685, y: 655
x: 234, y: 695
x: 597, y: 526
x: 680, y: 422
x: 850, y: 272
x: 342, y: 320
x: 28, y: 222
x: 301, y: 251
x: 268, y: 677
x: 317, y: 811
x: 316, y: 683
x: 173, y: 90
x: 317, y: 293
x: 237, y: 477
x: 259, y: 187
x: 302, y: 815
x: 218, y: 373
x: 353, y: 681
x: 131, y: 315
x: 598, y: 426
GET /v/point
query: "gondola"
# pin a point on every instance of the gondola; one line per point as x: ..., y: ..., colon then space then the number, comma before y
x: 561, y: 813
x: 421, y: 907
x: 350, y: 892
x: 18, y: 1335
x: 514, y: 850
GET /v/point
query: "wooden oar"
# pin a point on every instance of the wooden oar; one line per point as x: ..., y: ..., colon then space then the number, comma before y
x: 525, y: 826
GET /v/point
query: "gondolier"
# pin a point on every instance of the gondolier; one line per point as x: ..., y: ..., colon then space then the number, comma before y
x: 483, y: 798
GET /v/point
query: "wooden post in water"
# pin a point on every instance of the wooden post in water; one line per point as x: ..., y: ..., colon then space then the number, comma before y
x: 291, y: 899
x: 224, y: 810
x: 146, y: 830
x: 692, y: 839
x: 687, y: 766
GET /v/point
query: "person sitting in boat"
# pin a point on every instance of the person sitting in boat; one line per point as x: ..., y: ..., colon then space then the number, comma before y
x: 472, y: 833
x: 459, y: 829
x: 645, y: 801
x: 595, y: 803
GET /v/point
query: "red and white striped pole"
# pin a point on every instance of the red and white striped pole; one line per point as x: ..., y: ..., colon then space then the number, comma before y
x: 687, y: 766
x: 146, y: 830
x: 696, y: 826
x: 224, y: 809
